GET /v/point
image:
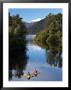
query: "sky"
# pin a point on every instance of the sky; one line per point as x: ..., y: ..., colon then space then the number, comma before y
x: 33, y: 15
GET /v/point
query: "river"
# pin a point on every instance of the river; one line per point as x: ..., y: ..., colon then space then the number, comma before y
x: 38, y: 59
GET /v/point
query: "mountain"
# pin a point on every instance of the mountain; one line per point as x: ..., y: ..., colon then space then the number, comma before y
x: 34, y: 27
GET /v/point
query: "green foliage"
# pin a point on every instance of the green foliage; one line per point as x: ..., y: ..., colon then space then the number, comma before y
x: 17, y: 30
x: 54, y: 18
x: 16, y: 25
x: 53, y: 41
x: 17, y: 44
x: 51, y: 37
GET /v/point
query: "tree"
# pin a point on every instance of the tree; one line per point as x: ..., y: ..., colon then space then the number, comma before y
x: 51, y: 37
x: 17, y: 44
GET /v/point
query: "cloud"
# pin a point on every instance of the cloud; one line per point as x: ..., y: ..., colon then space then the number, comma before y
x: 36, y: 20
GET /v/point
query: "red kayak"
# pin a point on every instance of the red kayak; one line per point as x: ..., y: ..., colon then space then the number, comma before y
x: 35, y: 73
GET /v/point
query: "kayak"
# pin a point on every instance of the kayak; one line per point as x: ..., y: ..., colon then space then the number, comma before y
x: 35, y: 73
x: 27, y: 76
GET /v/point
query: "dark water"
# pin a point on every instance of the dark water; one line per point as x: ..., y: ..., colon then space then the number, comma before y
x: 50, y: 70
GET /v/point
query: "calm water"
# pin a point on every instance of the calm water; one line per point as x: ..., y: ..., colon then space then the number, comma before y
x: 38, y: 59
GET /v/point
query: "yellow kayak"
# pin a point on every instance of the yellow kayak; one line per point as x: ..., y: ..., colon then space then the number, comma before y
x: 27, y: 76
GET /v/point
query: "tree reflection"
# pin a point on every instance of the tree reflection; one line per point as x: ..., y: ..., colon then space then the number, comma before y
x: 17, y: 46
x: 17, y: 55
x: 17, y: 62
x: 54, y: 58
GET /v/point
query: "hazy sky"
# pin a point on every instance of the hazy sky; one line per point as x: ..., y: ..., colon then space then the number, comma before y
x: 30, y: 15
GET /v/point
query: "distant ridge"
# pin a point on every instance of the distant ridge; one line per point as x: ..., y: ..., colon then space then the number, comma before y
x: 35, y: 27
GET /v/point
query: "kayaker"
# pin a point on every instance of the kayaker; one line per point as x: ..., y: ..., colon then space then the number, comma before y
x: 35, y: 73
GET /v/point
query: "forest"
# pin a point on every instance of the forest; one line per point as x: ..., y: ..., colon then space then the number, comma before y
x: 17, y: 45
x: 51, y: 37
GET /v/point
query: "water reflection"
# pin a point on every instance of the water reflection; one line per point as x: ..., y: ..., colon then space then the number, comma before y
x: 54, y: 58
x: 17, y: 62
x: 38, y: 58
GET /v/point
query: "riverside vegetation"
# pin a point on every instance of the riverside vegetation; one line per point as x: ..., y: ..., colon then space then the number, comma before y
x: 49, y: 38
x: 17, y: 45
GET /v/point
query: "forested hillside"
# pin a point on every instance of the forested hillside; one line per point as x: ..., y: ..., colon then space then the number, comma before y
x: 51, y: 37
x: 17, y: 45
x: 35, y: 27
